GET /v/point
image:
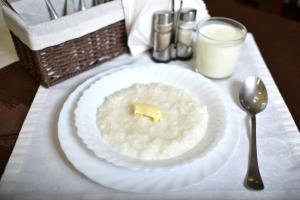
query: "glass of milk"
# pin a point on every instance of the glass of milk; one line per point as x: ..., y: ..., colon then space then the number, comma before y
x: 217, y: 46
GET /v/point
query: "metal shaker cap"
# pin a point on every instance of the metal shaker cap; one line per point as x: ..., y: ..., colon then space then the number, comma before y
x: 188, y: 15
x: 163, y: 17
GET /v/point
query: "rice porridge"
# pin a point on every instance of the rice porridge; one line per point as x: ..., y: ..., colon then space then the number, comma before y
x: 182, y: 124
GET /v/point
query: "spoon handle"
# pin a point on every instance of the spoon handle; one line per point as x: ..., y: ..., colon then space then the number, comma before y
x: 254, y: 180
x: 53, y: 13
x: 82, y: 5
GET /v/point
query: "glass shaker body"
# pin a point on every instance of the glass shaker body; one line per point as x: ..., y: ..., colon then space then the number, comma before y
x: 162, y: 36
x: 185, y: 40
x: 186, y: 27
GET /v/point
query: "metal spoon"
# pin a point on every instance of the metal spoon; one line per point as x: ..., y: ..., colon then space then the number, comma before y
x: 7, y: 4
x: 53, y: 13
x: 69, y: 7
x: 82, y: 5
x: 254, y: 98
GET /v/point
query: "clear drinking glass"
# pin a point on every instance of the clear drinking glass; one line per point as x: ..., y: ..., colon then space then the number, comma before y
x: 217, y: 46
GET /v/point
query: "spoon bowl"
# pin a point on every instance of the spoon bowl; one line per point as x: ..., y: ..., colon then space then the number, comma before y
x: 253, y: 97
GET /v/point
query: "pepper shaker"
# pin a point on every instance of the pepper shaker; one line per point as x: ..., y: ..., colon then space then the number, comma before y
x: 162, y: 35
x: 186, y: 26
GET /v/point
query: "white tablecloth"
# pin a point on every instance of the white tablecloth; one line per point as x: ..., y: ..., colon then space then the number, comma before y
x: 38, y: 168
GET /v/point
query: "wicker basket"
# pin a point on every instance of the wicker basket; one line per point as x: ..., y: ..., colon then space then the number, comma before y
x: 54, y: 64
x: 60, y: 62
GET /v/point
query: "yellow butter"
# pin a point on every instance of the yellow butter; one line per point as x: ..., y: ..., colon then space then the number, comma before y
x: 148, y: 110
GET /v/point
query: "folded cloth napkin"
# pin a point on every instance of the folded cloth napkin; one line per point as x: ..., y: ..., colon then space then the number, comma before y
x: 36, y: 11
x: 138, y: 17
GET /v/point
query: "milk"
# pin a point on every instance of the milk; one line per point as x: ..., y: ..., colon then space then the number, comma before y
x: 217, y: 49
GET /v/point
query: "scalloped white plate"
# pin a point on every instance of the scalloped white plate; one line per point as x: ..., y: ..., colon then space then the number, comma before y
x: 192, y: 83
x: 126, y: 180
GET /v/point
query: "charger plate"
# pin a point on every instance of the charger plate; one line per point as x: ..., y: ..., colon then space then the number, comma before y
x: 123, y: 179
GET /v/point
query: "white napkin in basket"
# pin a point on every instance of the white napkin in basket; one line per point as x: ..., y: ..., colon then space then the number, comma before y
x: 138, y: 17
x: 36, y: 11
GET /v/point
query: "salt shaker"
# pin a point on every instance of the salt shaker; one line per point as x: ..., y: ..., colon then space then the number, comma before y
x: 186, y: 26
x: 162, y: 35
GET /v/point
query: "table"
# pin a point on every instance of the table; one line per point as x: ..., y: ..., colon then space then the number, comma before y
x: 39, y: 169
x: 276, y: 37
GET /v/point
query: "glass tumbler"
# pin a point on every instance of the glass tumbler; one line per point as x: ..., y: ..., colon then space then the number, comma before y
x: 217, y: 46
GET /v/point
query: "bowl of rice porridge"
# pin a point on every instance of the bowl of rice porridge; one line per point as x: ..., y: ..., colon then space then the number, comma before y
x: 182, y: 125
x: 152, y: 124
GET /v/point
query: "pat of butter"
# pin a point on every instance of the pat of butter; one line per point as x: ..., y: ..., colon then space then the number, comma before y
x: 148, y: 110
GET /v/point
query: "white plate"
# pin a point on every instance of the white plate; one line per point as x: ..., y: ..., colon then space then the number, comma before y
x: 192, y: 83
x: 123, y: 179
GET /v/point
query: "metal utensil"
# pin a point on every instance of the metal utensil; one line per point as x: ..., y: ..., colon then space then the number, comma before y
x: 97, y: 2
x: 7, y: 4
x: 254, y: 99
x: 173, y: 6
x: 82, y: 5
x: 53, y: 13
x: 70, y: 8
x: 176, y: 24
